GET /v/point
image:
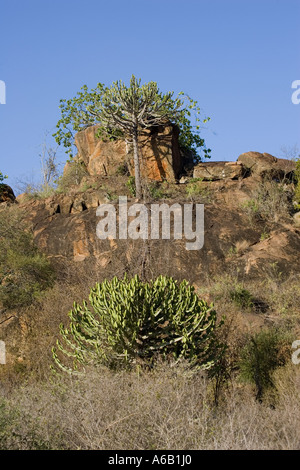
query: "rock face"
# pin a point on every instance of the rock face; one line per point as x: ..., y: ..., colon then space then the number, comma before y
x: 212, y: 171
x: 265, y: 165
x: 65, y: 229
x: 6, y: 193
x: 159, y: 149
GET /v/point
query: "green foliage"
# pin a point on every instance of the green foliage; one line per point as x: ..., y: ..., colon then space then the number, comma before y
x: 24, y: 272
x: 156, y: 190
x: 264, y: 235
x: 261, y: 356
x: 194, y: 189
x: 2, y: 177
x: 122, y: 170
x: 189, y: 133
x: 241, y: 297
x: 133, y: 322
x: 98, y: 105
x: 131, y: 185
x: 77, y: 114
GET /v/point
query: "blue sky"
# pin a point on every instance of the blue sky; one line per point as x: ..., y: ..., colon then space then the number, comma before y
x: 237, y: 58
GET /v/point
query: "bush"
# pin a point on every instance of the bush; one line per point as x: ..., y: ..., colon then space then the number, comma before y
x: 133, y: 322
x: 241, y: 297
x: 131, y: 185
x: 24, y: 272
x: 270, y: 201
x: 262, y: 355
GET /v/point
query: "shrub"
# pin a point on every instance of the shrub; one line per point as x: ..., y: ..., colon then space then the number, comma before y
x: 156, y: 191
x: 131, y: 185
x: 270, y: 201
x: 122, y: 170
x: 241, y: 297
x: 263, y: 353
x: 133, y: 322
x: 195, y: 190
x: 24, y: 271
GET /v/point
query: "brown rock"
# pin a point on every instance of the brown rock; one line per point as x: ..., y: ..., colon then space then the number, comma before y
x: 159, y: 150
x: 6, y: 193
x: 264, y: 164
x: 213, y: 171
x: 297, y: 219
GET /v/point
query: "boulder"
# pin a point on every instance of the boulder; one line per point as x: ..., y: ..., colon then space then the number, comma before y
x: 159, y: 149
x: 296, y: 218
x: 213, y: 171
x: 6, y: 193
x: 266, y: 165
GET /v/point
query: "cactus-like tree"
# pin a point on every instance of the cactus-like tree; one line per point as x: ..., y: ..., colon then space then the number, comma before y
x: 126, y: 111
x: 128, y: 322
x: 130, y: 110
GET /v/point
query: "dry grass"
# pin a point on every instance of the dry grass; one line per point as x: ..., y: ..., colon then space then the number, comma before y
x: 166, y: 408
x: 163, y: 409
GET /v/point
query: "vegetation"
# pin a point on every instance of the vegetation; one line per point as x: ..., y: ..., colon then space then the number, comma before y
x: 134, y: 322
x: 270, y: 201
x: 241, y: 297
x: 126, y: 112
x: 73, y: 173
x: 24, y: 272
x: 168, y: 406
x: 2, y: 177
x: 261, y: 356
x: 131, y: 185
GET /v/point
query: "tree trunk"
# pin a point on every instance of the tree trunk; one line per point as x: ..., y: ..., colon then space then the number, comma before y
x: 137, y: 174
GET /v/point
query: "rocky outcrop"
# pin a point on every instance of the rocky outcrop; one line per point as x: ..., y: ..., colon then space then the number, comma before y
x: 65, y: 229
x: 6, y: 194
x: 159, y: 150
x: 213, y: 171
x: 265, y: 165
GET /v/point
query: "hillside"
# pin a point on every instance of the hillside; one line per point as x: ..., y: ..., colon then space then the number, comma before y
x: 248, y: 267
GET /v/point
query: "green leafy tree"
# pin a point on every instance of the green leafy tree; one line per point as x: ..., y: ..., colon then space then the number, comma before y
x: 129, y: 322
x: 126, y: 111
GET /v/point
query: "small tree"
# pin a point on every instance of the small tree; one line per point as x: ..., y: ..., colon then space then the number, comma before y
x: 125, y: 112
